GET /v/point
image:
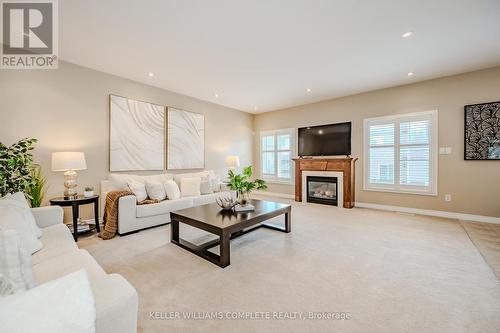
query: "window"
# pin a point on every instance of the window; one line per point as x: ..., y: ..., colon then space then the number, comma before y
x: 401, y: 153
x: 276, y: 151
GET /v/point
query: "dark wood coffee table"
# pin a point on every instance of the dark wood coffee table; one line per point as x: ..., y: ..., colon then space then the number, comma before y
x: 226, y: 225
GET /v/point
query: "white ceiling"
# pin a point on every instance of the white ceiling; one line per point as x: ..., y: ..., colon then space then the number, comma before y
x: 262, y: 55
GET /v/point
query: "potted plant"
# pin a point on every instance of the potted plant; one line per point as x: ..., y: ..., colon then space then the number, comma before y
x: 89, y: 191
x: 16, y: 167
x: 36, y: 191
x: 243, y: 184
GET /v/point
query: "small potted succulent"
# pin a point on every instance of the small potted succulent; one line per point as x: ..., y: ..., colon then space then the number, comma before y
x: 89, y: 191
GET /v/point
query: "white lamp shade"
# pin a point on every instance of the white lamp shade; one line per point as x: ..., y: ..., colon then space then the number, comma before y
x: 64, y: 161
x: 232, y: 161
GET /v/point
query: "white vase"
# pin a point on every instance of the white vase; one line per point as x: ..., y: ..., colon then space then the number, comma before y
x: 88, y: 194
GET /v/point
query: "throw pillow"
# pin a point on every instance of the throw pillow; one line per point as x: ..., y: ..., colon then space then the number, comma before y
x: 178, y: 177
x: 6, y: 286
x: 120, y: 180
x: 63, y: 305
x: 139, y: 190
x: 214, y: 181
x: 190, y: 187
x: 19, y: 199
x: 155, y: 190
x: 15, y: 218
x: 16, y: 272
x: 172, y: 190
x: 206, y: 186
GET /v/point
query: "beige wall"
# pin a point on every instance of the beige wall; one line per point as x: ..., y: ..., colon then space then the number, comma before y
x: 474, y: 185
x: 67, y: 109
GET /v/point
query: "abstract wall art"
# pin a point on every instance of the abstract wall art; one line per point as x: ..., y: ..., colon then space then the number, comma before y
x: 137, y: 135
x: 482, y: 131
x: 186, y: 140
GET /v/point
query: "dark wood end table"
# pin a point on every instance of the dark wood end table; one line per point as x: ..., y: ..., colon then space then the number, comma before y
x: 226, y: 225
x: 75, y: 205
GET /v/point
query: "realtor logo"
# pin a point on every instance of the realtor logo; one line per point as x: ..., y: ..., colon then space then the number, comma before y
x: 29, y: 34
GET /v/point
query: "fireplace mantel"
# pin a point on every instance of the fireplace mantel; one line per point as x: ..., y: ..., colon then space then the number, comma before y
x: 344, y: 165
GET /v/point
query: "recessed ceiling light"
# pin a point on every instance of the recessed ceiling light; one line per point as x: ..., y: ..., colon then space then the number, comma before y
x: 308, y: 89
x: 151, y: 75
x: 407, y: 34
x: 216, y: 95
x: 410, y: 73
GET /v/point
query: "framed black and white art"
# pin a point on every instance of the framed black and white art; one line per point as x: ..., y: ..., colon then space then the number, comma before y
x: 482, y: 131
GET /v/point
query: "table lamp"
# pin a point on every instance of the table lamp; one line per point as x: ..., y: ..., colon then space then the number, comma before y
x: 69, y: 162
x: 232, y: 162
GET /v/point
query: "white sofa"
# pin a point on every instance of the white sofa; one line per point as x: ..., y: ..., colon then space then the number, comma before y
x: 116, y: 300
x: 133, y: 217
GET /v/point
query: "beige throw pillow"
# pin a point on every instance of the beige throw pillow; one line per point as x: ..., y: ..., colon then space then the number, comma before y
x: 155, y: 190
x: 15, y: 218
x: 16, y: 273
x: 172, y: 190
x: 120, y: 180
x: 190, y: 187
x: 18, y: 199
x: 139, y: 190
x: 206, y: 186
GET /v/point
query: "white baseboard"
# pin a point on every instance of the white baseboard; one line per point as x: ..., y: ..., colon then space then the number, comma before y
x: 428, y: 212
x: 277, y: 195
x: 438, y: 213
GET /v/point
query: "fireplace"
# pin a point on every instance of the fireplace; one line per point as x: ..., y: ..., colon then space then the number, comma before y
x: 322, y: 190
x: 342, y: 168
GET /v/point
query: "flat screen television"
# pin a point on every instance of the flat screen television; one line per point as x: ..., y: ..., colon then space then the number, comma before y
x: 325, y: 140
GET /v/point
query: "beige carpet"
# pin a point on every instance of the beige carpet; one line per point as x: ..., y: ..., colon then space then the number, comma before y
x: 486, y: 237
x: 391, y: 272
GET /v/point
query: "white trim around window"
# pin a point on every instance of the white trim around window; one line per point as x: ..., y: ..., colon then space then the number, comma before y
x: 401, y: 153
x: 277, y: 148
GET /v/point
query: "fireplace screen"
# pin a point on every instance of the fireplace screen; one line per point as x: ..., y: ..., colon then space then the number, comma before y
x: 322, y: 190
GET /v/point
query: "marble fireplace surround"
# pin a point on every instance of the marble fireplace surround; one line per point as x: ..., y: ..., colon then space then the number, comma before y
x: 340, y: 183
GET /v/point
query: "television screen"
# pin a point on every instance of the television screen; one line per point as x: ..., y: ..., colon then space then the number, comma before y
x: 325, y: 140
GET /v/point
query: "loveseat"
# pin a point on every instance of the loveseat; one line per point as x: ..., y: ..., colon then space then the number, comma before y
x: 133, y: 217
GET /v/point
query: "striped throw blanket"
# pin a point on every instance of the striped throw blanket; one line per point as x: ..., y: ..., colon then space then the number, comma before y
x: 110, y: 217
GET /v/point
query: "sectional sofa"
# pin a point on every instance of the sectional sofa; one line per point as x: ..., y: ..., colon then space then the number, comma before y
x: 116, y: 301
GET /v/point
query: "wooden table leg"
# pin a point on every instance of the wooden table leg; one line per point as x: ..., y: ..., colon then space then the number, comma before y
x: 96, y: 215
x: 174, y: 230
x: 75, y: 212
x: 225, y: 250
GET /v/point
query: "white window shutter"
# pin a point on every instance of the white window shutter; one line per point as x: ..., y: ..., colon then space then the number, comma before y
x: 401, y: 153
x: 276, y: 152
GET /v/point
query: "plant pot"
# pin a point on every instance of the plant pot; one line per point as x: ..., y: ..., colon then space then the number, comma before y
x: 243, y: 198
x: 88, y: 194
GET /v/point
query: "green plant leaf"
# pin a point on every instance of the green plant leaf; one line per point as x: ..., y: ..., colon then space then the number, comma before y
x: 16, y: 164
x: 243, y: 182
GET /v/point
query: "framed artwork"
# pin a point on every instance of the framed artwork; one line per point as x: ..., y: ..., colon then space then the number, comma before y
x: 186, y: 140
x: 137, y: 135
x: 482, y: 131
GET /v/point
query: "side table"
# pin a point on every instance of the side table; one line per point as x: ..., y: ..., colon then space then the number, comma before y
x: 75, y: 205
